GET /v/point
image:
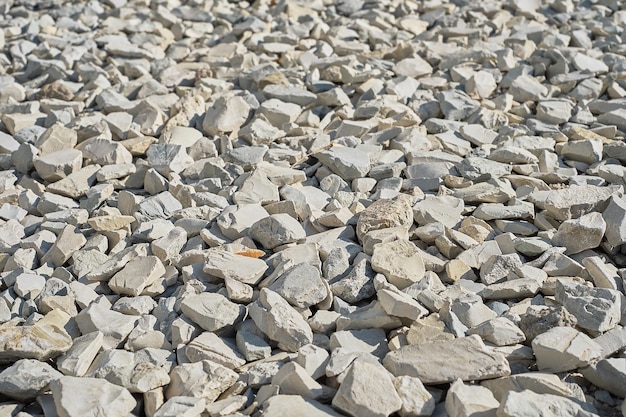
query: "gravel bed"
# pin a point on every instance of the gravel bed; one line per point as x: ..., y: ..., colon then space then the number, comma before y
x: 312, y: 208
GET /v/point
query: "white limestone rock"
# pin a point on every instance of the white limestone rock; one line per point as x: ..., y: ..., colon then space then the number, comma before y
x: 77, y: 360
x: 464, y: 400
x: 241, y: 268
x: 26, y: 379
x: 580, y: 234
x: 211, y: 311
x: 384, y: 214
x: 293, y: 379
x: 180, y: 406
x: 417, y: 401
x: 346, y: 162
x: 225, y: 115
x: 279, y: 321
x: 367, y: 390
x: 114, y: 326
x: 499, y: 331
x: 572, y: 202
x: 615, y: 218
x: 595, y: 309
x: 538, y: 382
x: 41, y: 342
x: 204, y: 379
x: 302, y: 286
x: 75, y: 397
x: 58, y: 165
x: 437, y: 362
x: 137, y: 275
x: 283, y: 406
x: 400, y: 261
x: 276, y: 230
x: 528, y: 403
x: 564, y: 349
x: 209, y: 346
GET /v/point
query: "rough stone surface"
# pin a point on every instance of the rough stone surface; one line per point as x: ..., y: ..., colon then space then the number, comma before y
x: 439, y: 362
x: 237, y: 208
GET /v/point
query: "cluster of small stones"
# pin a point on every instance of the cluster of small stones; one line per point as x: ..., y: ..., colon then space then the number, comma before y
x: 317, y: 208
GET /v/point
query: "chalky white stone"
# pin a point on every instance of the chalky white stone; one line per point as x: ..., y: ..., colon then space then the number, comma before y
x: 238, y: 208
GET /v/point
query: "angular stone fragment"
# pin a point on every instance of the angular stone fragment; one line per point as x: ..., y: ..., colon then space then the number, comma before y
x: 76, y: 361
x: 527, y: 88
x: 539, y: 382
x: 580, y: 234
x: 400, y: 262
x: 438, y: 362
x: 211, y: 311
x: 365, y: 340
x: 260, y: 132
x: 540, y: 319
x: 169, y: 245
x: 235, y: 221
x: 293, y: 379
x: 257, y: 189
x: 346, y: 162
x: 399, y: 304
x: 167, y: 158
x: 563, y: 349
x: 445, y: 209
x: 367, y: 390
x: 58, y: 165
x: 276, y: 230
x: 615, y: 218
x: 209, y: 346
x: 225, y: 115
x: 595, y: 309
x: 313, y: 359
x: 384, y: 214
x: 111, y: 172
x: 412, y: 67
x: 105, y: 152
x: 608, y: 374
x: 554, y: 111
x: 417, y: 401
x: 528, y: 403
x: 498, y: 268
x: 40, y: 342
x: 68, y: 241
x: 244, y: 269
x: 278, y: 112
x: 76, y: 184
x: 279, y: 321
x: 615, y: 117
x: 129, y: 370
x: 114, y: 326
x: 468, y: 400
x: 456, y: 105
x: 289, y: 94
x: 587, y: 151
x: 301, y: 286
x: 26, y: 379
x: 181, y: 407
x: 204, y: 379
x: 284, y: 405
x: 572, y: 202
x: 162, y: 205
x: 90, y: 397
x: 110, y: 222
x: 499, y: 331
x: 139, y: 273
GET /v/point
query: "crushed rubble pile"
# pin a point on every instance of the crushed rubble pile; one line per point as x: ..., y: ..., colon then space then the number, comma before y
x: 320, y: 208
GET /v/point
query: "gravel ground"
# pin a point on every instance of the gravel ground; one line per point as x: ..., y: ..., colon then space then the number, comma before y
x: 317, y: 208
